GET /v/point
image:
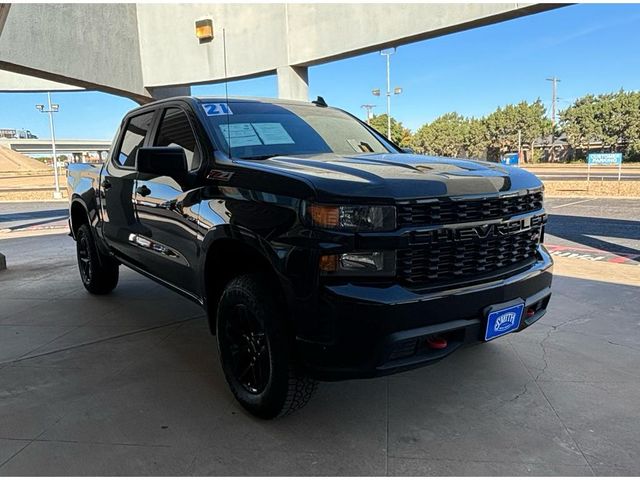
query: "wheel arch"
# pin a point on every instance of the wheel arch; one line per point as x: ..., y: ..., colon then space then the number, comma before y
x: 229, y: 254
x: 78, y: 214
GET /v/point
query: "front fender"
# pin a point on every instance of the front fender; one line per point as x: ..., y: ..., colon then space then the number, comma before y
x: 241, y: 236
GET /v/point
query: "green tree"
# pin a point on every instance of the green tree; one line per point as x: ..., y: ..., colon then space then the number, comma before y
x: 503, y: 125
x: 475, y: 142
x: 452, y: 135
x: 611, y: 118
x: 445, y: 136
x: 399, y: 133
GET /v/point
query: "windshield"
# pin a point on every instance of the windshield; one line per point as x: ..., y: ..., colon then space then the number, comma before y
x: 261, y: 130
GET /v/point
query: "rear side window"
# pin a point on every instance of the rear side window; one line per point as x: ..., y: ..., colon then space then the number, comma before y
x: 175, y: 131
x: 133, y: 139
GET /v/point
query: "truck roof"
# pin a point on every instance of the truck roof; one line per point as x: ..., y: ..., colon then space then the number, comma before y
x: 252, y: 100
x: 231, y: 99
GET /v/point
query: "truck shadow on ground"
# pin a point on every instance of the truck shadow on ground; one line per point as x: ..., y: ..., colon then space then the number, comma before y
x: 582, y: 230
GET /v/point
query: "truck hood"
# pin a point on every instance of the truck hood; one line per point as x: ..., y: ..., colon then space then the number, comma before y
x: 396, y: 176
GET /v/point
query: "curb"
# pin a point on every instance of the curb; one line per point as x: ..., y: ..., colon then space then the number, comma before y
x: 57, y: 200
x: 592, y: 197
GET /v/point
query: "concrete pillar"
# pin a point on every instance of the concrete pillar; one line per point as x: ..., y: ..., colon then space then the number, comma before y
x: 293, y: 83
x: 158, y: 93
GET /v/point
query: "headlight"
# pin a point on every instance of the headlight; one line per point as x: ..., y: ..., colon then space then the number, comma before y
x: 360, y: 264
x: 352, y: 218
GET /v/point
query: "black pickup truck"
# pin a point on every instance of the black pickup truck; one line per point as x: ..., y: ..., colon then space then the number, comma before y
x: 319, y: 249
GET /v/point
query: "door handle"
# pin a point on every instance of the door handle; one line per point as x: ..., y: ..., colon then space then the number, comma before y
x: 143, y: 191
x: 106, y: 184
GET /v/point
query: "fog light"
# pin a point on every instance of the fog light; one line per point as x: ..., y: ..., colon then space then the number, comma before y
x: 360, y: 263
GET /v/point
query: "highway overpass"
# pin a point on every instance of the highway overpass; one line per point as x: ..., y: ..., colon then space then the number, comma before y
x: 148, y: 51
x: 36, y: 146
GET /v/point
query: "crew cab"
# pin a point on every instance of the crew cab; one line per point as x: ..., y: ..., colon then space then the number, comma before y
x: 318, y: 248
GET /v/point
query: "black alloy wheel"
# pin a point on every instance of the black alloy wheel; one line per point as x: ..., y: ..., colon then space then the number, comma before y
x: 249, y: 350
x: 256, y: 347
x: 84, y: 259
x: 98, y: 272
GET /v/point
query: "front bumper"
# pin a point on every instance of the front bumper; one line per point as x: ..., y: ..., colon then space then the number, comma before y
x: 373, y: 331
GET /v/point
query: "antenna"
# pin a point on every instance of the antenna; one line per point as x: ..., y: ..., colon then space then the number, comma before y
x: 320, y: 102
x: 226, y: 90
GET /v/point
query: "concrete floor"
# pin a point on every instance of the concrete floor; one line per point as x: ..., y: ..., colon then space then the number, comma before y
x: 130, y: 384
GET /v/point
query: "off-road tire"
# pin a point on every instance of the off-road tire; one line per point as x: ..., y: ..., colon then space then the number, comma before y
x: 99, y: 273
x: 286, y: 389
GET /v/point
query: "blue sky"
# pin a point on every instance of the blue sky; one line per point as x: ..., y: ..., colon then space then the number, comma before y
x: 592, y: 48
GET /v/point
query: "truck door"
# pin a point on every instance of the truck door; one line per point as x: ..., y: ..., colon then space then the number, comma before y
x: 117, y: 185
x: 167, y: 208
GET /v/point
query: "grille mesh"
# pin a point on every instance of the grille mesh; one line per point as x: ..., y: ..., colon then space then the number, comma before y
x: 457, y: 260
x: 444, y: 212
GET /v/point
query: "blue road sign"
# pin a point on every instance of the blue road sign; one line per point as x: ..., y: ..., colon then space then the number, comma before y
x: 604, y: 159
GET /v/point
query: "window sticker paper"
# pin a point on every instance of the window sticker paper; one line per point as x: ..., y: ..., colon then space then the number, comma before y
x: 273, y: 133
x: 240, y: 135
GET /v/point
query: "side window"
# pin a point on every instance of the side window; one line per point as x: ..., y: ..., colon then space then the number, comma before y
x: 175, y: 131
x: 133, y: 139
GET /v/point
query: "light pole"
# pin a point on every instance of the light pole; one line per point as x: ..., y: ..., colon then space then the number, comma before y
x: 396, y: 91
x: 554, y: 93
x: 53, y: 107
x: 369, y: 108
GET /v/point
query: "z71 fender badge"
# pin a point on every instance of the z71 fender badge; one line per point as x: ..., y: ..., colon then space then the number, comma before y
x: 220, y: 175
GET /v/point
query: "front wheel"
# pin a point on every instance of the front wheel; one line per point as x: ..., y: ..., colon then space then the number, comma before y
x: 255, y: 349
x: 98, y: 272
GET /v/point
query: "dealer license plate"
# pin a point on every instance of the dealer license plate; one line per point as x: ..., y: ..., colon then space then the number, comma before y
x: 500, y: 322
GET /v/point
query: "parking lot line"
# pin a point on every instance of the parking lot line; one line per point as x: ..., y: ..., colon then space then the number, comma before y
x: 573, y: 203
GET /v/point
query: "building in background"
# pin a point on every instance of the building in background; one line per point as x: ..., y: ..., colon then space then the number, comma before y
x: 16, y: 133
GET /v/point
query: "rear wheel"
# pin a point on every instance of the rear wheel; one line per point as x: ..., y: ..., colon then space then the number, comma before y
x: 98, y: 272
x: 256, y: 352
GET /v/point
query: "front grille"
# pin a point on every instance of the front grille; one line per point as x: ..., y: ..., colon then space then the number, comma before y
x: 447, y: 259
x: 441, y: 212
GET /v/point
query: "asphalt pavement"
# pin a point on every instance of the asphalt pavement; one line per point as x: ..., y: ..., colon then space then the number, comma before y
x: 594, y: 177
x: 604, y: 229
x: 20, y: 215
x: 564, y: 172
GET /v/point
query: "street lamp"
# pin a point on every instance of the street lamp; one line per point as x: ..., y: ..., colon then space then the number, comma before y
x: 396, y: 91
x: 53, y: 108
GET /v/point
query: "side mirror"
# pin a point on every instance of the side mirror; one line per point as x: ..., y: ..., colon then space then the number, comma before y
x: 162, y: 161
x: 407, y: 150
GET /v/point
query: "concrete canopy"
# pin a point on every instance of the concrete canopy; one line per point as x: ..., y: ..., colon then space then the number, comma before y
x: 150, y: 51
x: 16, y: 82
